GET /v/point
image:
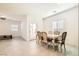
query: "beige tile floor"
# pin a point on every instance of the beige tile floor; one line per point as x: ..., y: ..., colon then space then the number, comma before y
x: 20, y: 47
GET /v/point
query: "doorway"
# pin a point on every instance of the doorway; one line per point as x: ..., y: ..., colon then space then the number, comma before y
x: 32, y: 31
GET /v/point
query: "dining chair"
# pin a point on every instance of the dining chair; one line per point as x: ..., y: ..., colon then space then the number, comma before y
x: 47, y: 41
x: 44, y: 38
x: 62, y: 41
x: 38, y: 37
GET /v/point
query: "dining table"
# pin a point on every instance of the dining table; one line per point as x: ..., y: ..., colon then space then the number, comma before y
x: 52, y: 37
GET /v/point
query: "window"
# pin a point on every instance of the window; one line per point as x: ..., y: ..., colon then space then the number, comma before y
x: 14, y: 27
x: 61, y: 25
x: 55, y: 26
x: 58, y: 25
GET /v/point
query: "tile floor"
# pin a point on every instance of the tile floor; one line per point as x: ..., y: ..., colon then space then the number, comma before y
x: 20, y: 47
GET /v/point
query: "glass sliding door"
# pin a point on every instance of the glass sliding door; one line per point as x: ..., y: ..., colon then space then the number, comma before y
x: 57, y: 26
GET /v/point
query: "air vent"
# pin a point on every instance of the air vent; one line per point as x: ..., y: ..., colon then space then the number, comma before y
x: 2, y: 18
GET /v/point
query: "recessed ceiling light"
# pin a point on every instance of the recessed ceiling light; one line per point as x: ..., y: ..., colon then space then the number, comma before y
x: 2, y: 18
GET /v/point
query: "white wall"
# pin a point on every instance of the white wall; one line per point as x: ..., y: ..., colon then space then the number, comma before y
x: 36, y: 19
x: 71, y: 24
x: 25, y: 28
x: 5, y: 28
x: 25, y: 25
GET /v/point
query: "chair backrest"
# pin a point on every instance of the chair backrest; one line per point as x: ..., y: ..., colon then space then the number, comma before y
x: 64, y: 34
x: 38, y: 35
x: 44, y: 34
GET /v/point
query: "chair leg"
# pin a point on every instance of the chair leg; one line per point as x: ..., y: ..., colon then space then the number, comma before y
x: 64, y: 49
x: 58, y: 47
x: 61, y: 47
x: 37, y: 41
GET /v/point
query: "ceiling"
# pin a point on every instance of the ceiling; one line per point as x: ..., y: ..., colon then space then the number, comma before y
x: 21, y: 10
